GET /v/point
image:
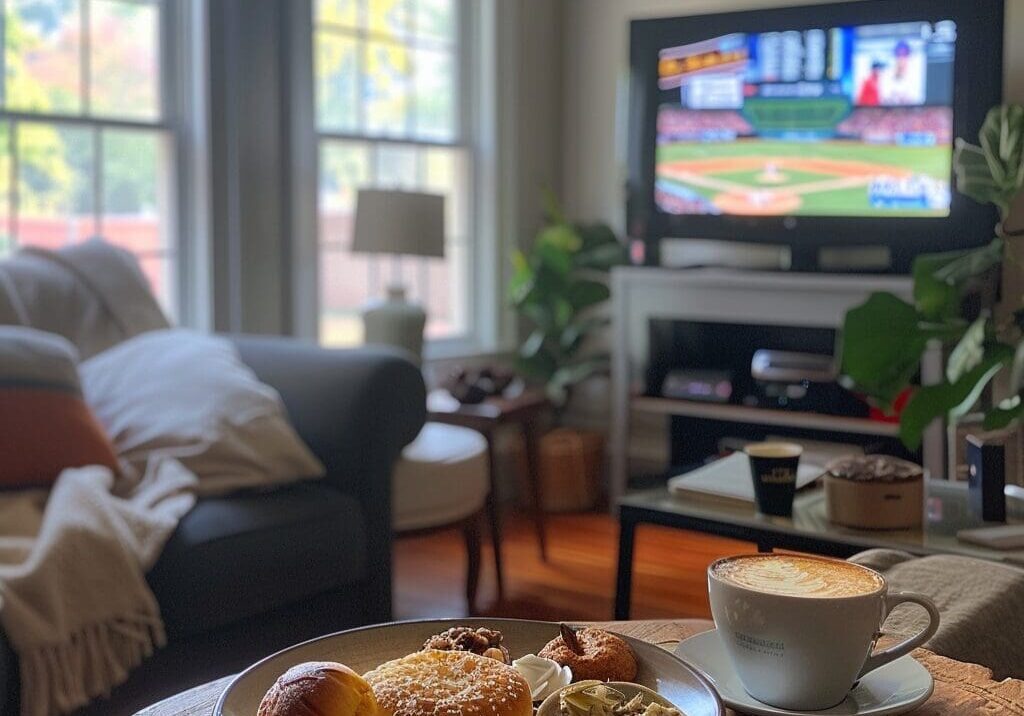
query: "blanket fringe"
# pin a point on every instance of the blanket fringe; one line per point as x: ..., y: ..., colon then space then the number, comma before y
x: 58, y: 678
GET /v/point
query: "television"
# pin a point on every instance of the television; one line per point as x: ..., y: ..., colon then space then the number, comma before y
x: 812, y: 126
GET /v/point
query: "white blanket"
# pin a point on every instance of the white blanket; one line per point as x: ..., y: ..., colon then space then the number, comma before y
x: 73, y: 596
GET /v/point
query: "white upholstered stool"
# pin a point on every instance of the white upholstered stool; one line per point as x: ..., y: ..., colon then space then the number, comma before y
x: 443, y: 480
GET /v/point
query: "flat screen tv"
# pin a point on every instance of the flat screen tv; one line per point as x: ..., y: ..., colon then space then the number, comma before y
x: 823, y: 125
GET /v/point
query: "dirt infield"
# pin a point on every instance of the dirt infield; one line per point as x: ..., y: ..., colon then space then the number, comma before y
x: 758, y: 203
x: 738, y: 198
x: 835, y: 167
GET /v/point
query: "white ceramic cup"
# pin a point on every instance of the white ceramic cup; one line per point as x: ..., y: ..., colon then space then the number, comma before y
x: 805, y: 653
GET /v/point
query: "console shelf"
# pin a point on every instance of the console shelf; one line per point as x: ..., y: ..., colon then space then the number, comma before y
x: 763, y: 416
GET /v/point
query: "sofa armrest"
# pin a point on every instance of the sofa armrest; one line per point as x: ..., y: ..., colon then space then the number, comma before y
x: 356, y: 409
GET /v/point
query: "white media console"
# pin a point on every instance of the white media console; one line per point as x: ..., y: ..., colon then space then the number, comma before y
x: 640, y: 294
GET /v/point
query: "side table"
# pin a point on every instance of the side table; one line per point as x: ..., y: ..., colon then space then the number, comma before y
x: 523, y: 410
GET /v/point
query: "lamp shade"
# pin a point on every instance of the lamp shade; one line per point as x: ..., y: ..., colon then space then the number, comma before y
x: 399, y: 222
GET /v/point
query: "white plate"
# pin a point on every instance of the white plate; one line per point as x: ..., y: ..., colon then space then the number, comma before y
x: 894, y: 688
x: 367, y: 648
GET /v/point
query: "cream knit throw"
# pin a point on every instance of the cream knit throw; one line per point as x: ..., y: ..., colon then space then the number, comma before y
x: 73, y: 595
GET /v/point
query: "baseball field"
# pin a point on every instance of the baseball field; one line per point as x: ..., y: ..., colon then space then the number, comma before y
x: 766, y: 177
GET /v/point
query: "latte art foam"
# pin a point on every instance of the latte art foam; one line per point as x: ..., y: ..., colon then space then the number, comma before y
x: 794, y: 576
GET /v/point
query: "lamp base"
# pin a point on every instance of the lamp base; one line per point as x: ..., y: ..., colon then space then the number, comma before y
x: 395, y: 321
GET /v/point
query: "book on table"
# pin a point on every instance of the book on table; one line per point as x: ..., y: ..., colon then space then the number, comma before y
x: 728, y: 479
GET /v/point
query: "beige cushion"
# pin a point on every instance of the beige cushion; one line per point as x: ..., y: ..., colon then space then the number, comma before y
x: 442, y: 477
x: 188, y: 395
x: 94, y: 294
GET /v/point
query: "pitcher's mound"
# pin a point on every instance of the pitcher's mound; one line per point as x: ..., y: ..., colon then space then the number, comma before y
x: 758, y: 203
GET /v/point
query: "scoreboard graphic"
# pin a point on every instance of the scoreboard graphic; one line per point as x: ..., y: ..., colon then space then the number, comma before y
x: 849, y: 121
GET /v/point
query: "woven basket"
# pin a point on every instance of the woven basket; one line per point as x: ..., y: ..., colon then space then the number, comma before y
x: 571, y: 462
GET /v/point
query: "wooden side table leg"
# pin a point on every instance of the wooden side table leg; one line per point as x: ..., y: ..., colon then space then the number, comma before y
x: 494, y: 515
x: 624, y: 575
x: 533, y: 476
x: 471, y: 533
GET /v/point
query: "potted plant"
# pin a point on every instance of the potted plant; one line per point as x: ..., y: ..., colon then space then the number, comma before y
x: 954, y: 302
x: 558, y: 286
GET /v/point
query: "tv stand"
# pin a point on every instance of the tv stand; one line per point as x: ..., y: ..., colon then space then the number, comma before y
x: 678, y: 253
x: 802, y: 300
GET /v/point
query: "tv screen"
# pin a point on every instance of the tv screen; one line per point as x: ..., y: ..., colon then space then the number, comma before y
x: 839, y: 121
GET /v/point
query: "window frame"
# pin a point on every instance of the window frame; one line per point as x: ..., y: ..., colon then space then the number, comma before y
x: 178, y: 103
x: 466, y: 138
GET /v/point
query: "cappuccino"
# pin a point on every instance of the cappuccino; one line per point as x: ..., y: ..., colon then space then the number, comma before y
x: 795, y: 576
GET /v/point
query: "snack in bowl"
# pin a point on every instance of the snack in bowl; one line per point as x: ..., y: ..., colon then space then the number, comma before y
x: 592, y: 654
x: 449, y: 683
x: 481, y: 641
x: 594, y: 698
x: 319, y: 688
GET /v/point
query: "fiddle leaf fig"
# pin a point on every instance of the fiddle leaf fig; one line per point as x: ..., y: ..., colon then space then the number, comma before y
x: 557, y: 285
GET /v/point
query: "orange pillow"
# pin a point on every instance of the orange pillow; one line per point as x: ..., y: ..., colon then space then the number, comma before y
x: 45, y: 425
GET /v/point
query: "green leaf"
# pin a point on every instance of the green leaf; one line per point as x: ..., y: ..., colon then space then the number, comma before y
x: 882, y: 345
x: 596, y: 236
x: 533, y: 344
x: 1008, y: 411
x: 541, y: 366
x: 564, y: 313
x: 973, y: 174
x: 523, y: 279
x: 971, y: 263
x: 968, y: 352
x: 601, y: 258
x: 935, y: 298
x: 562, y: 237
x: 584, y: 293
x: 948, y: 399
x: 570, y: 375
x: 552, y: 208
x: 574, y: 333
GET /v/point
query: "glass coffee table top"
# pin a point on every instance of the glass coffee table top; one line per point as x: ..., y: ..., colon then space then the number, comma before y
x: 946, y: 512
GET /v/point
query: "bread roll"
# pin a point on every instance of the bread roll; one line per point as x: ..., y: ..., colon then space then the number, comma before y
x: 319, y: 688
x: 449, y: 683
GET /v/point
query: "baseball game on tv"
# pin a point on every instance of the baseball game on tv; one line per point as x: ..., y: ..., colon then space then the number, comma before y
x: 852, y: 121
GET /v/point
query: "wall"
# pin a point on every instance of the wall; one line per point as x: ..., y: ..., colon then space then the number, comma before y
x: 595, y: 65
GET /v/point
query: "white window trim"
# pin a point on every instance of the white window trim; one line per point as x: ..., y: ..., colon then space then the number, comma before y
x: 489, y: 324
x: 184, y: 87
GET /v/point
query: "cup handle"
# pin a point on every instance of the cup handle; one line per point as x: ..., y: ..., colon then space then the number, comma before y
x: 880, y: 658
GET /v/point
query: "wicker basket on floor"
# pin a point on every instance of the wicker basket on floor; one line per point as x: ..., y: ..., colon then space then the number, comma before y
x: 571, y: 463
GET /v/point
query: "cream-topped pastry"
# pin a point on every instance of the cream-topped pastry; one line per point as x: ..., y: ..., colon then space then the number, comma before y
x: 545, y: 676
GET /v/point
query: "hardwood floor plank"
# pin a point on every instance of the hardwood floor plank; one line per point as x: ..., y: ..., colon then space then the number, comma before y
x: 577, y: 582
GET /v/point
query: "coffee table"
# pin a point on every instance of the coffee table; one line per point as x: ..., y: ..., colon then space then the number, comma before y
x: 959, y: 688
x: 808, y: 530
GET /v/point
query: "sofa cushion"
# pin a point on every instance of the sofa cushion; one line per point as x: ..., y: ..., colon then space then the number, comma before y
x: 234, y: 557
x: 40, y: 398
x: 188, y: 395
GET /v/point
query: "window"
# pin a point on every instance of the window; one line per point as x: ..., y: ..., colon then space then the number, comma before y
x: 389, y: 91
x: 85, y: 145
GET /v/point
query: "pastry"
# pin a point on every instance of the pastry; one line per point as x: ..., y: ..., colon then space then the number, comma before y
x: 592, y: 654
x: 482, y: 641
x: 449, y: 683
x: 319, y: 688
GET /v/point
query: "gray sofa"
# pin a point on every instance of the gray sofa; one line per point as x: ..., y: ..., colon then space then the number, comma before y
x: 251, y: 573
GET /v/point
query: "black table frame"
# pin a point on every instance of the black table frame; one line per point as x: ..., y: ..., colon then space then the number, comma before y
x: 767, y: 538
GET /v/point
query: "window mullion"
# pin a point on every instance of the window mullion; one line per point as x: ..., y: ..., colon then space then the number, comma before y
x: 97, y: 179
x: 3, y: 53
x: 14, y: 197
x: 85, y: 47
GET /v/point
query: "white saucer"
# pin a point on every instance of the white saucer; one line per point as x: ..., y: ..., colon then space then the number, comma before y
x: 894, y: 688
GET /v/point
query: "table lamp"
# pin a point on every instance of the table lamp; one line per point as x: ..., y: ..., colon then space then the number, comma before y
x: 399, y: 223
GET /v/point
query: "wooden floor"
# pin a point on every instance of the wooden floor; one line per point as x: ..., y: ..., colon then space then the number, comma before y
x: 577, y: 582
